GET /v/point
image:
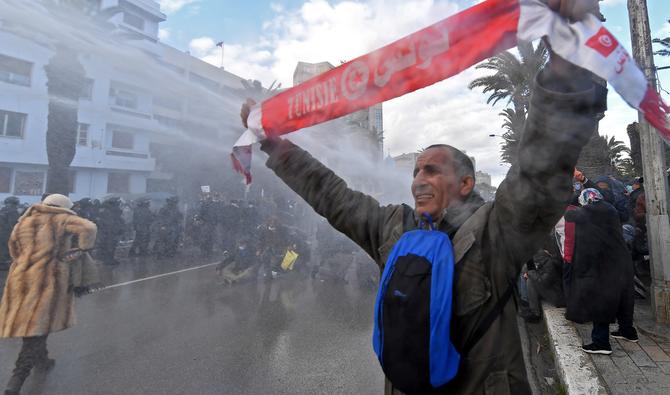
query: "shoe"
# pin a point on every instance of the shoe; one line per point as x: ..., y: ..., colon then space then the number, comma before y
x: 594, y: 349
x: 530, y: 317
x: 46, y: 365
x: 14, y: 386
x: 631, y: 337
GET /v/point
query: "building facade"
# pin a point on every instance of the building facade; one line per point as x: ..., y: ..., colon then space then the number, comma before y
x: 126, y: 122
x: 367, y: 125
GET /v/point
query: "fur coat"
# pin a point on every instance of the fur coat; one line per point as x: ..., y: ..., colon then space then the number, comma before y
x: 38, y: 297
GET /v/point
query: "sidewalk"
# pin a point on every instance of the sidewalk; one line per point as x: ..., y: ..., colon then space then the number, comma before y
x: 632, y: 368
x: 635, y: 368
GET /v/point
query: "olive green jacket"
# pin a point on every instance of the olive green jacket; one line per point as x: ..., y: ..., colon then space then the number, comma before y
x: 491, y: 241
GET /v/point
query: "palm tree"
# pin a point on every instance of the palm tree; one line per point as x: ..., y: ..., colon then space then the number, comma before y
x: 514, y: 121
x: 665, y: 45
x: 615, y: 150
x: 512, y: 81
x: 65, y: 82
x: 66, y: 79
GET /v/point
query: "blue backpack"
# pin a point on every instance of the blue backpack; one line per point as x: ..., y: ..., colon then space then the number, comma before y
x: 411, y: 336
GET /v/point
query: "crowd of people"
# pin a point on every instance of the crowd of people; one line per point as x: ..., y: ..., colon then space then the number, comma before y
x: 250, y: 238
x: 601, y: 239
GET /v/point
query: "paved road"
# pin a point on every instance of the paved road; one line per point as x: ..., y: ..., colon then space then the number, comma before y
x: 186, y: 334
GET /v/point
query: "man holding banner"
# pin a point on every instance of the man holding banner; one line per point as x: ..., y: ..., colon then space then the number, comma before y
x: 490, y: 241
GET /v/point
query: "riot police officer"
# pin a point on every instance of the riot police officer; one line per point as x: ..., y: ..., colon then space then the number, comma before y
x: 110, y: 228
x: 169, y: 224
x: 142, y: 220
x: 9, y: 216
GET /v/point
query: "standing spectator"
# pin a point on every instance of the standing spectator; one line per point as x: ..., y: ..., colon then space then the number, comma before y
x: 142, y: 220
x: 600, y: 257
x: 169, y: 223
x: 613, y: 192
x: 38, y: 296
x: 111, y: 227
x: 9, y: 216
x: 638, y: 189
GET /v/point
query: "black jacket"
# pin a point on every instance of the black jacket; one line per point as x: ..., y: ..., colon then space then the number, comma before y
x: 600, y: 266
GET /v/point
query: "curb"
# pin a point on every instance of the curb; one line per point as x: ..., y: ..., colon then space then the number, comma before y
x: 575, y: 368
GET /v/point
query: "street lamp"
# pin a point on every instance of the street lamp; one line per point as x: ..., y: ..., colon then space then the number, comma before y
x: 496, y: 135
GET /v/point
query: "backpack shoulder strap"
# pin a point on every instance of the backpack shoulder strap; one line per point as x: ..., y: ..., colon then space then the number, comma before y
x: 488, y: 320
x: 408, y: 222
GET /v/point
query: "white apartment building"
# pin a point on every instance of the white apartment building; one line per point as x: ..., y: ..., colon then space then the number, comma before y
x: 367, y: 123
x: 121, y: 120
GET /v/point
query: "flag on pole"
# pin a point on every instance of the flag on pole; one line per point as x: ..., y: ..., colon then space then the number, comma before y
x: 442, y: 50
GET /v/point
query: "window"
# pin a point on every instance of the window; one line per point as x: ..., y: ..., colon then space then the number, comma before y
x: 29, y: 183
x: 5, y: 180
x: 15, y: 71
x: 12, y: 124
x: 123, y: 140
x: 87, y: 89
x: 123, y: 98
x: 118, y: 183
x: 133, y: 20
x: 170, y: 103
x: 82, y: 134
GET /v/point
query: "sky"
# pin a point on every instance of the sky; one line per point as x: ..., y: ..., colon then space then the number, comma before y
x: 264, y: 40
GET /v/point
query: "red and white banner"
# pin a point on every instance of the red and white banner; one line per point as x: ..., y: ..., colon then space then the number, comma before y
x: 441, y: 51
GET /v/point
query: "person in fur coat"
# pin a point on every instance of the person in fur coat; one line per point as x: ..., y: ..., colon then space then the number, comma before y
x: 50, y: 264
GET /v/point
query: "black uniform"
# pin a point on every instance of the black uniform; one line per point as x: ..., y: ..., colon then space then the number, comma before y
x: 169, y: 224
x: 9, y: 216
x: 207, y: 221
x: 110, y: 228
x: 86, y: 209
x: 142, y: 220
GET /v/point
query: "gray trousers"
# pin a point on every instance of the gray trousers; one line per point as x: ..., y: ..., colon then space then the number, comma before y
x: 33, y: 351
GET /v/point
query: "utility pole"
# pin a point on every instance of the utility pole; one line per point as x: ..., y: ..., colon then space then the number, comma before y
x: 653, y: 161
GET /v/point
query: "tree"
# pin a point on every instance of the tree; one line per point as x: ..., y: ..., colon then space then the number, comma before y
x: 65, y: 81
x: 665, y: 45
x: 635, y: 148
x: 615, y: 151
x: 594, y: 160
x: 513, y: 126
x: 512, y: 81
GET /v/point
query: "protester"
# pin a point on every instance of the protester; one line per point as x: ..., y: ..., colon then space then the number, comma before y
x: 544, y: 280
x: 43, y: 278
x: 9, y: 216
x: 491, y: 241
x: 600, y: 257
x: 613, y: 191
x: 237, y: 265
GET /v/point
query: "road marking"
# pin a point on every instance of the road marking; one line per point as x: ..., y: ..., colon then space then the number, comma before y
x: 155, y: 277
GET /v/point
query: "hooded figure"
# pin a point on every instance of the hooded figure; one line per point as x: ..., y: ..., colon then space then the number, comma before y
x: 600, y: 257
x: 613, y: 192
x: 45, y: 274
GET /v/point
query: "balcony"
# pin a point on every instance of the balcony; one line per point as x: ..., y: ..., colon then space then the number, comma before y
x: 149, y: 6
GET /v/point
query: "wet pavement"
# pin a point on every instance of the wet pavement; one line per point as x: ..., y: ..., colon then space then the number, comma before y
x: 187, y: 334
